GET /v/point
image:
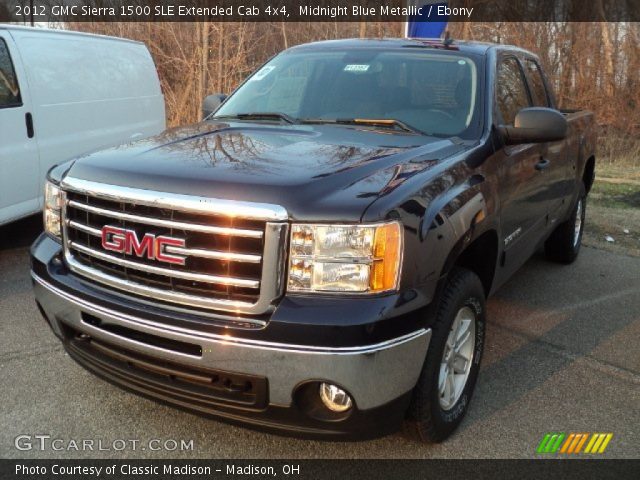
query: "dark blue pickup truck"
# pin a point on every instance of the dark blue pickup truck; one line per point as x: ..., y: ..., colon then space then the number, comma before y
x: 314, y: 257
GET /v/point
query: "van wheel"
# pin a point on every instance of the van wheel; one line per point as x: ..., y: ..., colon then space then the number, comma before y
x: 443, y: 392
x: 564, y: 243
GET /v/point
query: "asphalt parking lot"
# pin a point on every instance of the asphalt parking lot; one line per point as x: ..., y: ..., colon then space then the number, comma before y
x: 563, y: 355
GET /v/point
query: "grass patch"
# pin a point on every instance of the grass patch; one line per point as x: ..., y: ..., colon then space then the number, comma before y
x: 613, y: 210
x: 617, y: 171
x: 615, y: 195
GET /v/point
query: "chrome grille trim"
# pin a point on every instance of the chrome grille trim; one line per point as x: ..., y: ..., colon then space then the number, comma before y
x: 84, y: 228
x: 215, y: 254
x: 167, y: 272
x: 175, y: 201
x: 192, y: 227
x: 189, y: 252
x: 269, y: 286
x: 166, y: 295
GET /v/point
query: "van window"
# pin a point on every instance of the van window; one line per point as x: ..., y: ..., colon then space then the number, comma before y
x: 511, y: 90
x: 538, y: 90
x: 9, y: 90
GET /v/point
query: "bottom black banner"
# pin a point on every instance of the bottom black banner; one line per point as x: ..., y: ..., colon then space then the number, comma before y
x: 320, y: 469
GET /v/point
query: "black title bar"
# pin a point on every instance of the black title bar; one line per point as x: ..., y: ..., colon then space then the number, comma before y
x: 319, y: 469
x: 25, y: 11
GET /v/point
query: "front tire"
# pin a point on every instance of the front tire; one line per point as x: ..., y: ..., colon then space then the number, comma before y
x: 443, y: 392
x: 564, y: 243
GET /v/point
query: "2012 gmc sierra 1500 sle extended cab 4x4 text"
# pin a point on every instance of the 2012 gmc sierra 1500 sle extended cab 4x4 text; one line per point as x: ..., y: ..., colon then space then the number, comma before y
x: 315, y: 256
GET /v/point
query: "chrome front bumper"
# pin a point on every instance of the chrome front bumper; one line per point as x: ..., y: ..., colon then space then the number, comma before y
x: 374, y: 375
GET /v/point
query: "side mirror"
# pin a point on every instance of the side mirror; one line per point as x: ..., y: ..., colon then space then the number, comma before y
x: 536, y: 125
x: 211, y: 103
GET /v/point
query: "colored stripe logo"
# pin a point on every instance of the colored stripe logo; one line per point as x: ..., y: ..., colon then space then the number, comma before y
x: 573, y: 443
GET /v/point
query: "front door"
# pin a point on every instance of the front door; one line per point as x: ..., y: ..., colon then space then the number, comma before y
x: 558, y: 170
x: 523, y: 190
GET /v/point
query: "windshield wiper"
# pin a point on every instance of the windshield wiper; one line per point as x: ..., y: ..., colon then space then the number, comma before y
x: 375, y: 122
x: 257, y: 116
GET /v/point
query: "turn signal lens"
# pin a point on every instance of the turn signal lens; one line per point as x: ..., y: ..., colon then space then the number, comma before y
x: 345, y: 258
x: 386, y: 253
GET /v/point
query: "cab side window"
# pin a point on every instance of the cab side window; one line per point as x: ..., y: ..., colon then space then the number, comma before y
x: 9, y: 90
x: 538, y: 90
x: 511, y: 90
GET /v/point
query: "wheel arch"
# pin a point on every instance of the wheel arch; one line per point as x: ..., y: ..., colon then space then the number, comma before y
x: 589, y: 173
x: 479, y: 255
x: 470, y: 228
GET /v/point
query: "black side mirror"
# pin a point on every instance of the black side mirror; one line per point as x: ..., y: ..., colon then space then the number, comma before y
x: 211, y: 103
x: 536, y: 125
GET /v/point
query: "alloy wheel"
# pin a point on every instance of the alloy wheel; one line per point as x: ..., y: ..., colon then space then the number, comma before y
x: 457, y: 358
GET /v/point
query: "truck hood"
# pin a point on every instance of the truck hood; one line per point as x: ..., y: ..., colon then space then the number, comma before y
x: 317, y: 172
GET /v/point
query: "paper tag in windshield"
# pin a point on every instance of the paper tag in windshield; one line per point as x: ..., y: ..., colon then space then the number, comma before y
x: 356, y: 68
x: 263, y: 72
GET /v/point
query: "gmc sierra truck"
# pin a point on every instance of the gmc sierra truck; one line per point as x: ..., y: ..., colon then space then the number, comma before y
x: 314, y: 257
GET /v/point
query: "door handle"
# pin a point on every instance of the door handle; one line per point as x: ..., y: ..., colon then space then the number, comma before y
x: 29, y: 121
x: 542, y: 164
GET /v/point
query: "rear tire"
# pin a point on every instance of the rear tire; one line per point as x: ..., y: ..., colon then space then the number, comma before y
x: 443, y: 392
x: 564, y: 243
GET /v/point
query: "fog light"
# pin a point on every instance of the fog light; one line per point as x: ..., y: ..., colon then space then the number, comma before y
x: 334, y: 398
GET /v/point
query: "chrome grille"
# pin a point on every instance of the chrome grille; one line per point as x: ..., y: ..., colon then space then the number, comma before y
x: 233, y: 251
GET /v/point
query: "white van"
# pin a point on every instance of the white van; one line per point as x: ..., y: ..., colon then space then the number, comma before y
x: 64, y: 94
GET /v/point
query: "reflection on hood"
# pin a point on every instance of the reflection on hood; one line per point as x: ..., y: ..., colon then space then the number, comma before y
x: 300, y: 167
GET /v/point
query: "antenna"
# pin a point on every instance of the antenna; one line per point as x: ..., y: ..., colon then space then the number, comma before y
x: 448, y: 40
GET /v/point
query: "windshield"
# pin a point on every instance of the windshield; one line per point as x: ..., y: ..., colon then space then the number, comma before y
x: 433, y: 93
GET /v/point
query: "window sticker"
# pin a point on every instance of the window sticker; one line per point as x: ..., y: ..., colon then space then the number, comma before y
x: 263, y: 72
x: 356, y: 68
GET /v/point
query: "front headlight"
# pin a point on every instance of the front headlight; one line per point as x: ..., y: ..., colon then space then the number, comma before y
x: 52, y: 209
x: 345, y: 258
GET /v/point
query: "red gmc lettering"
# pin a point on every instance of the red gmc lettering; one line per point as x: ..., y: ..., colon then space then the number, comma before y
x: 126, y: 241
x: 133, y: 245
x: 113, y: 239
x: 161, y: 242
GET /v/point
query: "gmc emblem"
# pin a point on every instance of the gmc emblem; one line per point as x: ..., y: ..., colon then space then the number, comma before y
x: 126, y: 241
